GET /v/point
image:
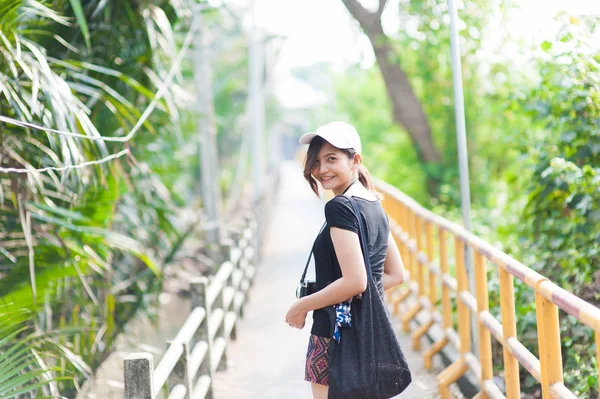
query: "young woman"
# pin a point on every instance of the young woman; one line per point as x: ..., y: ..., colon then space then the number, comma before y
x: 334, y: 160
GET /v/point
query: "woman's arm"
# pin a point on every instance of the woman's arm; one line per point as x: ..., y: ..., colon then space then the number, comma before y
x: 354, y: 274
x: 393, y: 267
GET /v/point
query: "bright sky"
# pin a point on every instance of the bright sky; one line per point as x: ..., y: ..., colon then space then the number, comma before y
x: 317, y: 30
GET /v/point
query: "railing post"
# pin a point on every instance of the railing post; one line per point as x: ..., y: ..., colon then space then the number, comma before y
x: 404, y: 243
x: 430, y: 258
x: 236, y: 235
x: 421, y: 271
x: 243, y: 263
x: 403, y: 248
x: 459, y: 367
x: 425, y: 275
x: 233, y: 334
x: 199, y: 289
x: 509, y: 331
x: 597, y: 334
x: 138, y: 376
x: 446, y: 305
x: 464, y: 317
x: 483, y: 305
x: 235, y: 243
x: 254, y: 239
x: 226, y: 246
x: 180, y: 374
x: 415, y: 271
x: 548, y: 341
x: 231, y: 306
x: 406, y: 228
x: 222, y: 366
x: 414, y: 263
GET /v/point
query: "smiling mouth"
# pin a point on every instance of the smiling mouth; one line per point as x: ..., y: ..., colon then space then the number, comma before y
x: 326, y: 179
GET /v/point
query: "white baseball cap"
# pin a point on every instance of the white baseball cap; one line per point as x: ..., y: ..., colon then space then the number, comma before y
x: 338, y: 134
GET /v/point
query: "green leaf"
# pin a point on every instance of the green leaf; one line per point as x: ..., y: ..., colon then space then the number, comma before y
x: 20, y: 372
x: 74, y: 216
x: 78, y: 10
x: 133, y: 246
x: 547, y: 46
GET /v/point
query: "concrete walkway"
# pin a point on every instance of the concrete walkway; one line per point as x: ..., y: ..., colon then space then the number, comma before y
x: 267, y: 360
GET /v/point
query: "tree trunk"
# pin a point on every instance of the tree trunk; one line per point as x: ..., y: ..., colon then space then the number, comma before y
x: 406, y: 108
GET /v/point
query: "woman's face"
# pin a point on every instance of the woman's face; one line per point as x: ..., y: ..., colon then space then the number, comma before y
x: 333, y: 169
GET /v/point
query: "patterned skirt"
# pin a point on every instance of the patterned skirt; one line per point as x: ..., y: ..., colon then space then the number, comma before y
x: 317, y: 361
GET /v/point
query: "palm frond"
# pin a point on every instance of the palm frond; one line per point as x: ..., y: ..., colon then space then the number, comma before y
x: 20, y: 369
x: 78, y: 11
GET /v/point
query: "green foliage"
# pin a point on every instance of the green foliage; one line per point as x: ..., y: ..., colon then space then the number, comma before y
x: 83, y: 251
x: 20, y: 359
x: 550, y: 196
x: 81, y: 20
x: 559, y: 228
x: 563, y: 203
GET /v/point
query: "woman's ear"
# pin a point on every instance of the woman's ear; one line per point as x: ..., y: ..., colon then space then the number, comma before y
x: 356, y: 161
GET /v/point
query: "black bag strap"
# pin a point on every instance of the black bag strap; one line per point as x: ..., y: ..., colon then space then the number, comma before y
x: 320, y: 231
x: 310, y: 255
x: 362, y: 236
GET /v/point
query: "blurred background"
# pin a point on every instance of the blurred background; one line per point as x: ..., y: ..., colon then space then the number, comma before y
x: 83, y: 251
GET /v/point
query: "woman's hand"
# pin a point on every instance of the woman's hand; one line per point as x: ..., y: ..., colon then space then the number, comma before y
x: 296, y: 316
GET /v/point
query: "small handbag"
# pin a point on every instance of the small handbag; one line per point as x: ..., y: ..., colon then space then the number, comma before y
x: 367, y: 362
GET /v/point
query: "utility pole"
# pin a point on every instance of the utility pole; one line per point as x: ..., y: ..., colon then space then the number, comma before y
x: 208, y: 151
x: 463, y: 161
x: 257, y: 123
x: 257, y: 106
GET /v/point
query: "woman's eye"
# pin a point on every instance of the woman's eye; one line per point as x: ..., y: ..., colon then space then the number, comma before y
x: 331, y: 159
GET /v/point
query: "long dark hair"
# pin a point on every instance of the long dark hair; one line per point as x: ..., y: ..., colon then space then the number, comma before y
x: 311, y: 159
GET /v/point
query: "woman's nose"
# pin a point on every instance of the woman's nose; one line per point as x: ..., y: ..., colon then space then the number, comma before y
x: 323, y: 168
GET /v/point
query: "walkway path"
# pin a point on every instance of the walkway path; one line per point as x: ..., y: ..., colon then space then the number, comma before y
x: 267, y: 360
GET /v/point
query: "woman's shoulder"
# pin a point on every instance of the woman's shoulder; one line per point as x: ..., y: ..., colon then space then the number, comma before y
x: 339, y: 199
x: 339, y: 213
x: 339, y: 207
x: 342, y: 203
x: 344, y: 200
x: 338, y: 202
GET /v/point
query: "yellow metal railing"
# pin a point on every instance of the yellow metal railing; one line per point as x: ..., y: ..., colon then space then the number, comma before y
x: 417, y: 231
